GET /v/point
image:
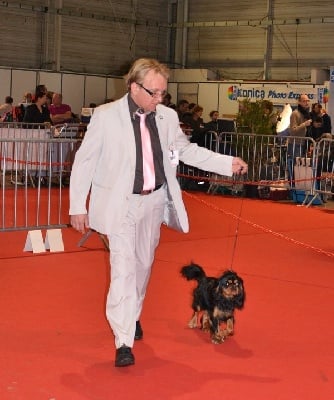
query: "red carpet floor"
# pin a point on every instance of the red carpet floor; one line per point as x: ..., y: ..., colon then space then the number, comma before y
x: 55, y: 343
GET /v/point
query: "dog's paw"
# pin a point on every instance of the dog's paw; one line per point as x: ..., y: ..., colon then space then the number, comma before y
x: 192, y: 324
x: 205, y: 323
x: 217, y: 339
x: 227, y: 332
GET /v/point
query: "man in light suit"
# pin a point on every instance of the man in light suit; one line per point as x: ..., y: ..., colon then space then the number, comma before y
x: 109, y: 165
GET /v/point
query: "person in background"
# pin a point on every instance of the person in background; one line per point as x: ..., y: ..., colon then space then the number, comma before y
x: 300, y: 118
x: 60, y: 113
x: 318, y: 112
x: 7, y: 110
x: 270, y: 116
x: 39, y: 89
x: 216, y: 125
x: 316, y: 132
x: 27, y: 100
x: 195, y: 122
x: 195, y: 117
x: 182, y: 108
x: 213, y: 124
x: 49, y: 96
x: 21, y: 107
x: 127, y: 165
x: 191, y: 107
x: 300, y: 127
x: 38, y: 112
x: 189, y: 112
x: 167, y: 101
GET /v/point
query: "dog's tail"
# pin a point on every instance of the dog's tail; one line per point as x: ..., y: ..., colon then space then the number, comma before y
x: 193, y: 272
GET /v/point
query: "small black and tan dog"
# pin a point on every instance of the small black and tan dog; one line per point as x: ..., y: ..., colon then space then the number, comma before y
x: 214, y: 301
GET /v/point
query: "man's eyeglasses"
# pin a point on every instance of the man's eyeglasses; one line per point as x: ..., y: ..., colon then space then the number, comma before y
x: 155, y: 94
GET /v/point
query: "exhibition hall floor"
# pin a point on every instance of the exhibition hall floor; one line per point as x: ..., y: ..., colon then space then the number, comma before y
x: 55, y: 343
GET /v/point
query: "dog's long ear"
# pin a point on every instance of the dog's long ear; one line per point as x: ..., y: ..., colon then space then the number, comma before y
x: 241, y: 297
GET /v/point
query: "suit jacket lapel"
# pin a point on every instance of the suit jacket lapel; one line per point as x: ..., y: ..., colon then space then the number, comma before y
x: 126, y: 128
x: 162, y: 129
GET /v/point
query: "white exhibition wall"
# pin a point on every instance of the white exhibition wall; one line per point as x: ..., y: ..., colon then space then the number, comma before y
x: 80, y: 90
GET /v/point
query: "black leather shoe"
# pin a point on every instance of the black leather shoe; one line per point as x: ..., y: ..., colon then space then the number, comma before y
x: 124, y: 356
x: 139, y: 332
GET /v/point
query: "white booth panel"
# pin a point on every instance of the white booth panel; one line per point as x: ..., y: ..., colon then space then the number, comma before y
x: 73, y: 91
x: 116, y: 88
x: 5, y: 83
x: 22, y: 82
x: 172, y: 90
x: 188, y: 91
x: 208, y: 98
x: 95, y: 90
x: 52, y: 81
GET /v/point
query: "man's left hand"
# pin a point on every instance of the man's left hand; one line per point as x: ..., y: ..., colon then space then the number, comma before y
x: 239, y: 166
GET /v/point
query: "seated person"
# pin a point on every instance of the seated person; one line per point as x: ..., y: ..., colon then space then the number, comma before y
x: 182, y: 108
x: 21, y: 107
x: 38, y: 112
x: 189, y: 112
x: 6, y: 110
x: 27, y: 100
x: 167, y: 101
x: 60, y: 113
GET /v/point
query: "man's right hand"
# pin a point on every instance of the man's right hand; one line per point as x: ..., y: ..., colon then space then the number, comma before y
x: 80, y: 222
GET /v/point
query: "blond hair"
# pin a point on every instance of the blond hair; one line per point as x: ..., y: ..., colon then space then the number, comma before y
x: 141, y: 67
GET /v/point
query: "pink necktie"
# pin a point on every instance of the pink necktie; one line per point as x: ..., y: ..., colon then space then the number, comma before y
x: 148, y: 164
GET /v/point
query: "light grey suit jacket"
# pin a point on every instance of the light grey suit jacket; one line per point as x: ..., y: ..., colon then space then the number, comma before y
x: 104, y: 166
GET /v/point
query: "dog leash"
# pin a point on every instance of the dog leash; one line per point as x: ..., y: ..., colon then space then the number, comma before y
x: 236, y: 234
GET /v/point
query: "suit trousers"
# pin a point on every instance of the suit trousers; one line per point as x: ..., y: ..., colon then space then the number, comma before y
x: 132, y: 252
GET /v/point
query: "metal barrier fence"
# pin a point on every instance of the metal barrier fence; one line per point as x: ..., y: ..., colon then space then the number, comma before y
x: 324, y: 170
x: 294, y: 165
x: 36, y: 164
